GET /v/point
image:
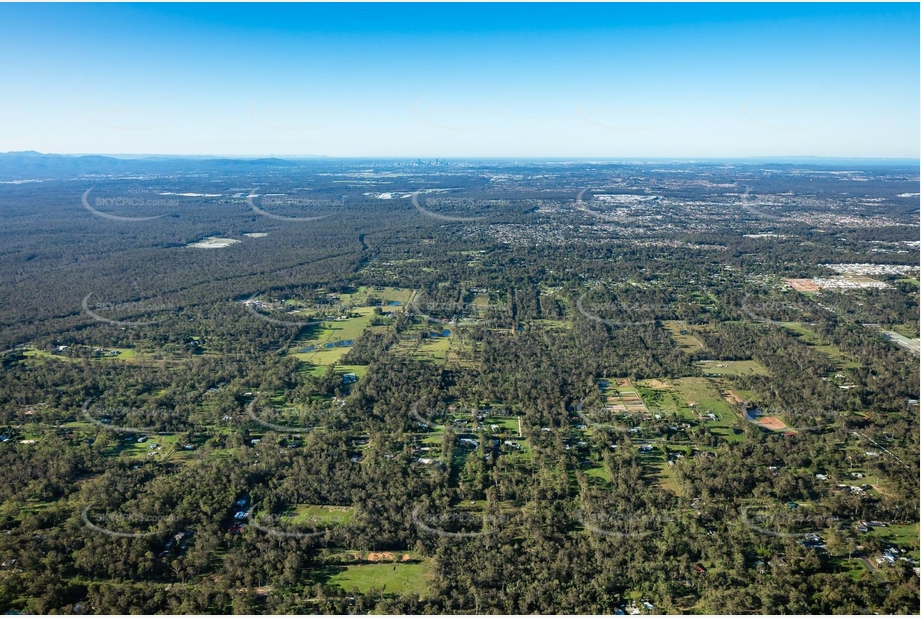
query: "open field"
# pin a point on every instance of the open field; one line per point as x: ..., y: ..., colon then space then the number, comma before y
x: 906, y: 330
x: 451, y: 350
x: 771, y: 423
x: 694, y: 399
x: 732, y: 368
x: 683, y: 336
x: 326, y: 343
x: 123, y: 354
x: 803, y: 285
x: 619, y: 395
x: 321, y: 514
x: 813, y: 339
x: 900, y: 535
x: 214, y: 242
x: 399, y: 578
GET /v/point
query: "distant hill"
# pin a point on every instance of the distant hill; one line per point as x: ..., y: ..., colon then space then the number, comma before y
x: 27, y: 165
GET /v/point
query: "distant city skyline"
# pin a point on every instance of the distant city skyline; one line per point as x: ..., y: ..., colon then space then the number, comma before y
x: 610, y: 81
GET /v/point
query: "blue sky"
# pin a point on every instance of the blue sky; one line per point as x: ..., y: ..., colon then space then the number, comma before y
x: 437, y: 80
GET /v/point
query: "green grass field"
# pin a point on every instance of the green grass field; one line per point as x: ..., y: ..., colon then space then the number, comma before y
x: 906, y: 330
x: 705, y: 397
x: 321, y: 514
x: 813, y: 339
x: 901, y: 535
x: 332, y: 331
x: 732, y: 368
x: 687, y: 342
x: 124, y: 354
x: 450, y: 350
x: 598, y: 471
x: 398, y: 578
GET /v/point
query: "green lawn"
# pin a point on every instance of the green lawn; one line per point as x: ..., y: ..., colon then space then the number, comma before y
x: 433, y: 348
x: 687, y: 342
x: 392, y: 578
x: 704, y: 395
x: 853, y: 567
x: 900, y: 535
x: 813, y: 339
x: 510, y: 424
x: 598, y: 471
x: 321, y: 514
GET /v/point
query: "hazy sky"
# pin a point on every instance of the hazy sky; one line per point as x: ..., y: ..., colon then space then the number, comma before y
x: 462, y: 80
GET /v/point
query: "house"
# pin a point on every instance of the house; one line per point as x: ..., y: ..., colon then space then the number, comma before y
x: 700, y: 568
x: 889, y: 556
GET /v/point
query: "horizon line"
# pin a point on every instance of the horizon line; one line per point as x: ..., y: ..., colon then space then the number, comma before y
x: 466, y: 157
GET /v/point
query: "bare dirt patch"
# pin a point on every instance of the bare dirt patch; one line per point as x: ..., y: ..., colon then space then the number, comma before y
x: 880, y: 490
x: 658, y: 384
x: 381, y: 556
x: 771, y: 423
x: 803, y: 285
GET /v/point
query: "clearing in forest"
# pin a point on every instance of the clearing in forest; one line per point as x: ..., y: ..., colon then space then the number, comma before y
x: 402, y: 578
x: 683, y: 336
x: 619, y: 395
x: 732, y: 368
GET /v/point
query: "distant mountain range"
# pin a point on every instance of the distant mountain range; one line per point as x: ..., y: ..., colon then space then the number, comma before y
x: 35, y: 165
x: 32, y: 165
